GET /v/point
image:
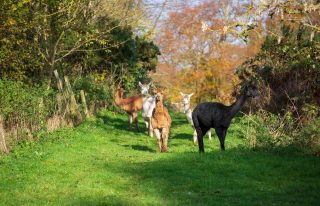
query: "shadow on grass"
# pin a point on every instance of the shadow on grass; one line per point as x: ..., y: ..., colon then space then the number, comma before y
x: 177, y: 120
x: 104, y: 201
x: 236, y: 176
x: 121, y: 124
x: 184, y: 136
x: 189, y: 136
x: 141, y: 148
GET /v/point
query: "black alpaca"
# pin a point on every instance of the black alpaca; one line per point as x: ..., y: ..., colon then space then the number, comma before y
x: 218, y: 116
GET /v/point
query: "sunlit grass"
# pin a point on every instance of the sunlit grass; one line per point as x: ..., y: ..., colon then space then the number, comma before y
x: 102, y: 163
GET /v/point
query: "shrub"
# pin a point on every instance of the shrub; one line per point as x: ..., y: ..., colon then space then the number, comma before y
x: 94, y: 90
x: 265, y: 130
x: 25, y: 109
x: 268, y: 131
x: 308, y: 137
x: 21, y: 102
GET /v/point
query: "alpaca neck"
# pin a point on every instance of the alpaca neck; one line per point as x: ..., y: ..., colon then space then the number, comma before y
x: 145, y: 94
x: 237, y: 106
x: 118, y: 98
x: 159, y: 106
x: 186, y: 108
x: 188, y: 113
x: 145, y: 97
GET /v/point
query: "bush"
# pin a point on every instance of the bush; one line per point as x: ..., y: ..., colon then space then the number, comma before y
x: 268, y: 131
x: 264, y: 130
x: 24, y: 103
x: 25, y: 109
x: 98, y: 93
x: 308, y: 137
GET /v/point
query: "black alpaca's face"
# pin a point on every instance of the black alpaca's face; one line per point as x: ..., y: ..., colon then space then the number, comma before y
x: 252, y: 91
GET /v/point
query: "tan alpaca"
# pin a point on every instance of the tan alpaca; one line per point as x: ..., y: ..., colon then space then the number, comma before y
x: 130, y: 104
x: 161, y: 123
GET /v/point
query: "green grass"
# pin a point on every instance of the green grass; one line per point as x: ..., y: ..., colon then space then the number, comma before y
x: 102, y: 163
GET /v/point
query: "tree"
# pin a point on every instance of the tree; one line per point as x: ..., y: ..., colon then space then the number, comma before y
x: 73, y: 36
x: 67, y: 27
x: 287, y: 12
x: 205, y: 63
x: 18, y: 56
x: 288, y: 73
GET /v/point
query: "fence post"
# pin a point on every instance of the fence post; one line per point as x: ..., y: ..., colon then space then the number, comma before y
x: 59, y: 81
x: 3, y: 146
x: 62, y: 101
x: 84, y: 103
x: 73, y: 103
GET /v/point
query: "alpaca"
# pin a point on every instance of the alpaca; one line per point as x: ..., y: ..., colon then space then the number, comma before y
x: 149, y: 103
x: 188, y: 111
x: 218, y: 116
x: 131, y: 105
x: 161, y: 123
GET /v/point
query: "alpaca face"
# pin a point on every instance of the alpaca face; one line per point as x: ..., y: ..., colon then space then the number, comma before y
x: 252, y: 91
x: 144, y: 88
x: 186, y: 98
x: 120, y: 92
x: 159, y: 96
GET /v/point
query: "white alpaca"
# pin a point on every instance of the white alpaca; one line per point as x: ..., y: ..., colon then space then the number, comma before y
x: 149, y: 103
x: 188, y: 111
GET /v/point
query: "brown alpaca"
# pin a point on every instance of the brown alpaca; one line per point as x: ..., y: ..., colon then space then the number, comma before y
x: 131, y: 105
x: 161, y: 123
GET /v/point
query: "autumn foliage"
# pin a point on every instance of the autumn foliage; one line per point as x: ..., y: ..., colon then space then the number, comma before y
x: 198, y: 61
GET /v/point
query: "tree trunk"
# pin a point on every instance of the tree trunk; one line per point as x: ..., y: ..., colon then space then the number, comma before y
x: 50, y: 74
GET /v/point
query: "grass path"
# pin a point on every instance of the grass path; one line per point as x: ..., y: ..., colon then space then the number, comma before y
x: 101, y: 163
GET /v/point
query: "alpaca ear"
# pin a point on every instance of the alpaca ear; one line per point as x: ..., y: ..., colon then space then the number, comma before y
x: 158, y: 90
x: 140, y: 84
x: 190, y: 95
x: 155, y: 90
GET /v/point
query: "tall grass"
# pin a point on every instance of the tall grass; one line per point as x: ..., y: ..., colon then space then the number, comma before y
x: 268, y: 131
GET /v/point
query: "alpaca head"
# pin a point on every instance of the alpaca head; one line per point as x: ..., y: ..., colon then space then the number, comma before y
x: 159, y: 95
x: 144, y: 88
x: 120, y: 92
x: 186, y: 98
x: 251, y: 90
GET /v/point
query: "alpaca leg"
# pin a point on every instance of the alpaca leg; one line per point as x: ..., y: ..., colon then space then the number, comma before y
x: 221, y: 132
x: 164, y: 137
x: 194, y: 136
x: 209, y: 134
x: 130, y: 121
x: 224, y: 130
x: 150, y: 128
x: 158, y: 136
x: 201, y: 130
x: 200, y: 139
x: 147, y: 121
x: 135, y: 117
